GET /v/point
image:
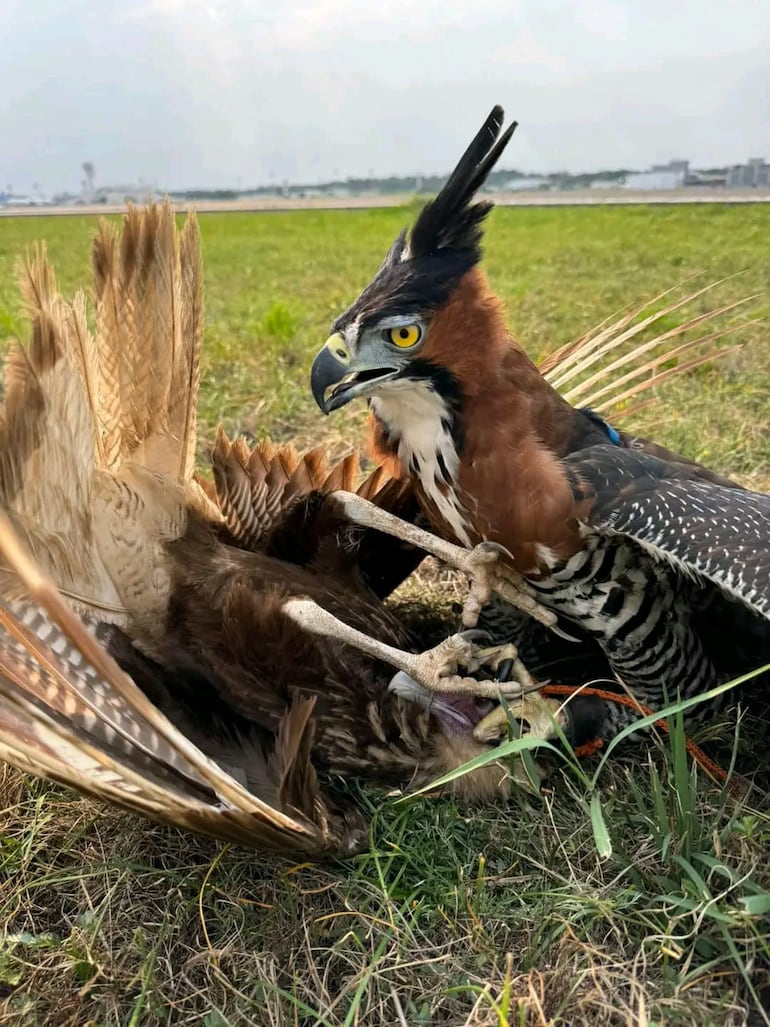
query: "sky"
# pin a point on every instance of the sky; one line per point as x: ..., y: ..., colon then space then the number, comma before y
x: 238, y: 93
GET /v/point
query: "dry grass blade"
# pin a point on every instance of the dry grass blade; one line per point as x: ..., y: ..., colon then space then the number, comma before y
x: 632, y: 411
x: 602, y: 339
x: 561, y: 359
x: 581, y: 393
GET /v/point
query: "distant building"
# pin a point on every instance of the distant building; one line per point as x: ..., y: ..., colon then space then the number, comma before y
x: 661, y: 176
x: 20, y: 200
x: 654, y: 180
x: 117, y: 195
x: 752, y: 175
x: 517, y: 184
x: 677, y: 167
x: 707, y: 179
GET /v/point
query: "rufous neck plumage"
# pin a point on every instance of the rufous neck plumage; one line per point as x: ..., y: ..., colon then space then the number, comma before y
x: 510, y: 429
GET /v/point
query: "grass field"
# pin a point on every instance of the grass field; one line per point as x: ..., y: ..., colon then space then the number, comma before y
x: 506, y: 915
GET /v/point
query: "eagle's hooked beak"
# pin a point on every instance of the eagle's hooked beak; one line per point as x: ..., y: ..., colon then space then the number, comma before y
x: 335, y: 366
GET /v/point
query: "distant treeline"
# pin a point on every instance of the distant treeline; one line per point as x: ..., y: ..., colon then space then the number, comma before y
x: 204, y: 194
x: 407, y: 184
x: 411, y: 184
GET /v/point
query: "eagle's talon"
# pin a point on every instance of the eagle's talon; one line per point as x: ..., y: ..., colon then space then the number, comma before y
x: 507, y: 665
x: 438, y: 669
x: 489, y: 574
x: 505, y: 669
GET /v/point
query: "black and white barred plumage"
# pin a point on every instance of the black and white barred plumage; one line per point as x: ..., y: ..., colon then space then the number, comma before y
x: 671, y: 591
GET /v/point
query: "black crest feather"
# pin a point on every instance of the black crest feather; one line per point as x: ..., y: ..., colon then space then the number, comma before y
x: 445, y: 243
x: 451, y: 221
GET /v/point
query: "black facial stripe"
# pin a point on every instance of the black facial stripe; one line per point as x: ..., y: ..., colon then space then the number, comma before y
x: 443, y: 467
x: 448, y: 387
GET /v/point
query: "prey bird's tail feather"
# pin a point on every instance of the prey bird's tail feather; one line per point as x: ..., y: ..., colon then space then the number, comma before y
x: 619, y: 374
x: 48, y: 445
x: 148, y: 288
x: 98, y: 431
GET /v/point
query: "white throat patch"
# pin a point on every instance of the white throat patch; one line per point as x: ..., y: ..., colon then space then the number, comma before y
x: 416, y: 416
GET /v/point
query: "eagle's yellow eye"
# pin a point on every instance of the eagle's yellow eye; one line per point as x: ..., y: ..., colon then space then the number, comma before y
x: 405, y: 336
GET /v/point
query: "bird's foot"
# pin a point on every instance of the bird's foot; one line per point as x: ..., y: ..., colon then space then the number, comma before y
x: 446, y: 668
x: 536, y: 714
x: 482, y: 564
x: 488, y: 573
x: 437, y: 669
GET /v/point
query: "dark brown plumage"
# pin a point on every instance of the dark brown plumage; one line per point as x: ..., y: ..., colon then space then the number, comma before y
x: 185, y: 584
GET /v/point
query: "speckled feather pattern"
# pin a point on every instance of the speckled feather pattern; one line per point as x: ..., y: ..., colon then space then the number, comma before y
x: 718, y: 533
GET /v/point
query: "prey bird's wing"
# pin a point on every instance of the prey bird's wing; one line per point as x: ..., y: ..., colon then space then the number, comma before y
x: 274, y: 500
x: 68, y: 713
x: 257, y: 487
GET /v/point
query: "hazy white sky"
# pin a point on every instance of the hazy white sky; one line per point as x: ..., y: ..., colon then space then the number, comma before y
x: 227, y: 92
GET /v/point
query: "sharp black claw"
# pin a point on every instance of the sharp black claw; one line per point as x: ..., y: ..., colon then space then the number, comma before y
x: 562, y: 634
x: 475, y: 635
x: 495, y: 547
x: 504, y: 670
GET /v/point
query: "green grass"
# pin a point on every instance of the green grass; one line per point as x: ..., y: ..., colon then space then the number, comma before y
x: 501, y: 916
x: 274, y: 283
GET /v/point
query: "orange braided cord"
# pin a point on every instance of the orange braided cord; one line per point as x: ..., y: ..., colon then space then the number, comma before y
x: 736, y: 785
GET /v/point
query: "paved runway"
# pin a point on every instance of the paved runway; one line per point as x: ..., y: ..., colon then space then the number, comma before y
x: 571, y: 198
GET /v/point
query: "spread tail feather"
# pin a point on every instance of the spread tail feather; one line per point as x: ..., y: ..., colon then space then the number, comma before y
x: 98, y: 432
x: 257, y: 488
x: 48, y: 452
x: 148, y: 285
x: 625, y: 374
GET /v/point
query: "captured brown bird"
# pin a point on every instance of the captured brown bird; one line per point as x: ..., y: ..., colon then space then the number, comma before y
x: 179, y: 678
x: 657, y: 561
